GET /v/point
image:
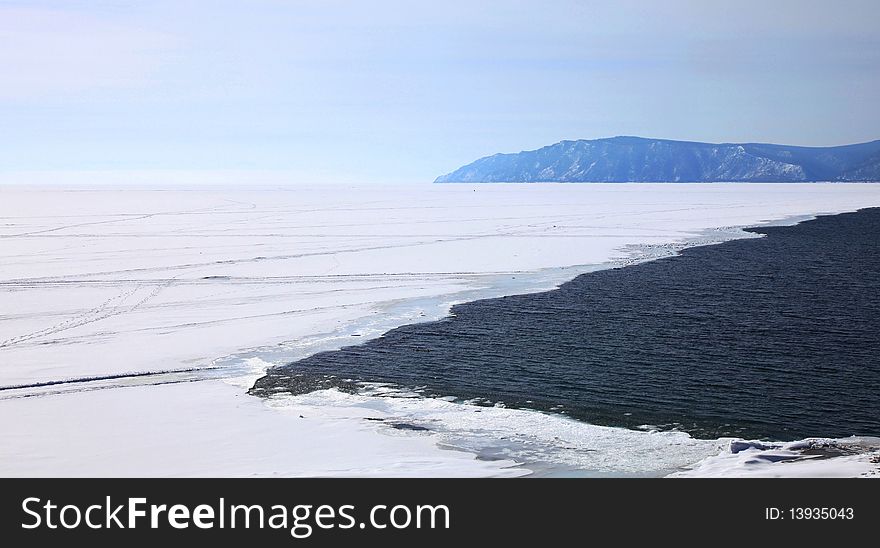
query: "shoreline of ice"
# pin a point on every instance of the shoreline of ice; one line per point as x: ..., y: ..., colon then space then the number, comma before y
x: 726, y: 457
x: 139, y: 283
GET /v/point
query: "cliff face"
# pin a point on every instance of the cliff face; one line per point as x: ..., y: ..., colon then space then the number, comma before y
x: 634, y: 159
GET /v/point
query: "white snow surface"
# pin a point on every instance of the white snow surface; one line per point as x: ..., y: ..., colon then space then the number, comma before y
x: 164, y: 304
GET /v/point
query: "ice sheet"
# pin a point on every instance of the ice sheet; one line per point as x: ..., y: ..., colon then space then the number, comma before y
x: 809, y: 458
x: 186, y: 285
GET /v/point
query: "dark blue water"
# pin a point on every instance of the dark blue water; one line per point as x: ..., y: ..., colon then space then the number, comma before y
x: 774, y: 337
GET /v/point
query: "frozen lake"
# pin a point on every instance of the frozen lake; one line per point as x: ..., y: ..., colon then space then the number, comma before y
x: 133, y: 320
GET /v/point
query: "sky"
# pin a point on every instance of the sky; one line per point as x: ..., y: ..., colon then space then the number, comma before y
x: 402, y: 91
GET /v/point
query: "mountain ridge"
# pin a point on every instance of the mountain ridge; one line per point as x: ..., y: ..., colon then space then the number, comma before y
x: 638, y: 159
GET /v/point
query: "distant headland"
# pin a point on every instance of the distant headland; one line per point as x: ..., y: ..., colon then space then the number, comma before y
x: 636, y: 159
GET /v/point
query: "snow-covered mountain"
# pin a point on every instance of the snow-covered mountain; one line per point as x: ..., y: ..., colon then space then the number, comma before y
x: 623, y: 159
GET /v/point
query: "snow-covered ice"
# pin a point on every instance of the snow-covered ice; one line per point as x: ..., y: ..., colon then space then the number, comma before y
x: 163, y: 304
x: 817, y: 457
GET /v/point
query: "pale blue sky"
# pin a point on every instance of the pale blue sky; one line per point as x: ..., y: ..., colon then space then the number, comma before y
x: 405, y: 91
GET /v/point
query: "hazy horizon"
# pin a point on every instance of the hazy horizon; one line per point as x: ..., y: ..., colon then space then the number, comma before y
x: 275, y: 91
